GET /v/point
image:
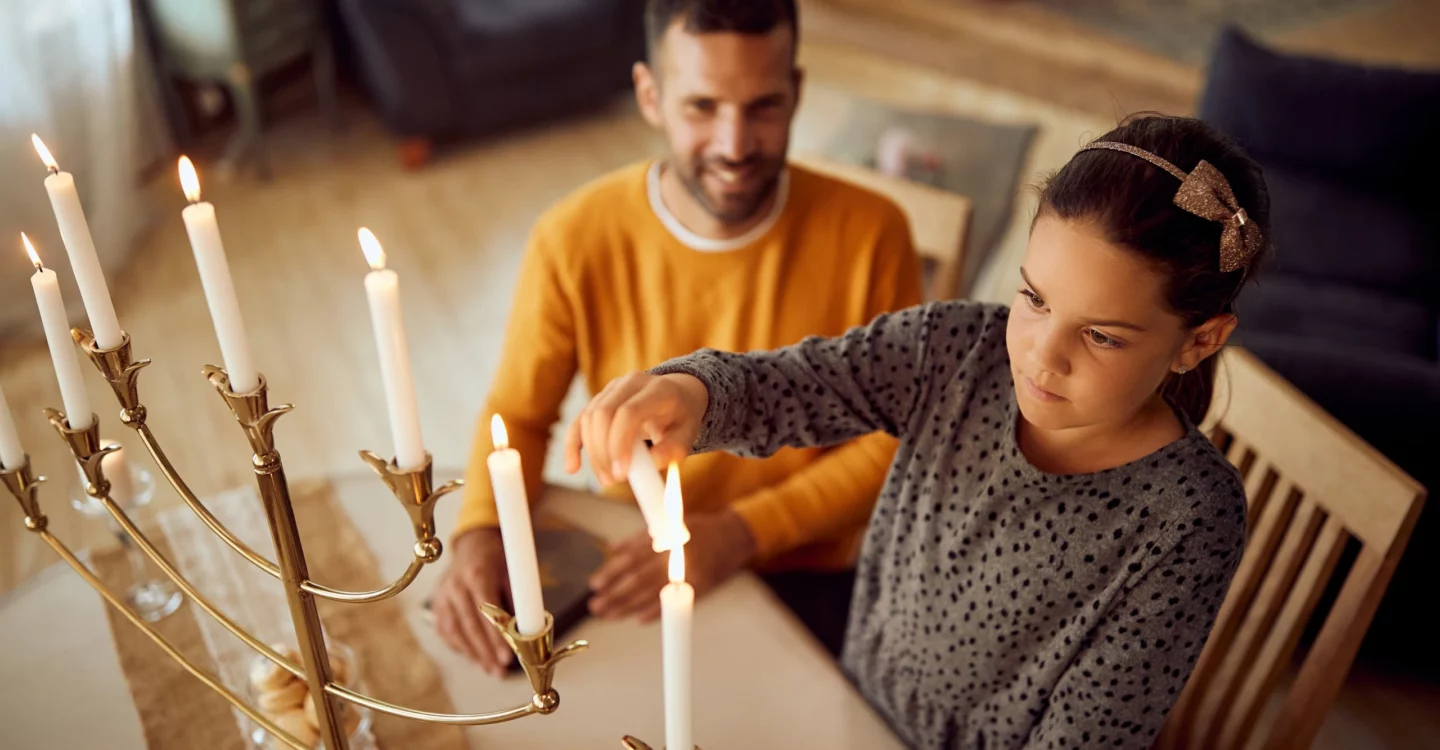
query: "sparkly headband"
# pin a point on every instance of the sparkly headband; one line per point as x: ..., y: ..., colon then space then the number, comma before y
x: 1206, y: 193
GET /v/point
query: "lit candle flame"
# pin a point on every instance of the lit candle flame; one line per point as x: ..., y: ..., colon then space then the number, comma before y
x: 30, y: 250
x: 498, y: 435
x: 44, y: 153
x: 675, y: 517
x: 374, y: 254
x: 189, y: 180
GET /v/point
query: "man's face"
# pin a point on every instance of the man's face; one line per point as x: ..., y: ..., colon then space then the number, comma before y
x: 725, y: 102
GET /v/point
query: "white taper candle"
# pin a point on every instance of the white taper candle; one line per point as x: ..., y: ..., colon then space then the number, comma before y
x: 12, y: 453
x: 80, y: 246
x: 62, y: 347
x: 513, y: 507
x: 204, y: 231
x: 649, y: 491
x: 382, y: 289
x: 677, y: 609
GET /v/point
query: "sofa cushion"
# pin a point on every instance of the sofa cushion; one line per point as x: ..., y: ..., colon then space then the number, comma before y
x: 1324, y: 229
x: 1374, y: 125
x: 500, y: 36
x: 1339, y: 316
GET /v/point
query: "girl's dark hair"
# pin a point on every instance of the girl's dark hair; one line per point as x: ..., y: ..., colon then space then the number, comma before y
x: 1131, y: 200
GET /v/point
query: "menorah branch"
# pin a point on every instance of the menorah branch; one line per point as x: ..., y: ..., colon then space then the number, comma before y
x: 122, y: 373
x: 98, y: 487
x: 413, y: 488
x: 198, y: 508
x: 360, y: 699
x: 367, y: 597
x: 209, y: 680
x: 537, y: 657
x: 198, y: 598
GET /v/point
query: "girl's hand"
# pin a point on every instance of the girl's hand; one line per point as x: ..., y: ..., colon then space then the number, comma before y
x: 667, y: 410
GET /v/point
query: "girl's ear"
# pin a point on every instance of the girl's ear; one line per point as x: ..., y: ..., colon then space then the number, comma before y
x: 1204, y: 340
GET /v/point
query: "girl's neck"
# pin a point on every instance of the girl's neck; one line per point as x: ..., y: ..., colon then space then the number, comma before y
x: 1092, y: 448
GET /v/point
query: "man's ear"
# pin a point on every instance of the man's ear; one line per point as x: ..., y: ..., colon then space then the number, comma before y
x: 1205, y: 340
x: 647, y: 93
x: 799, y: 76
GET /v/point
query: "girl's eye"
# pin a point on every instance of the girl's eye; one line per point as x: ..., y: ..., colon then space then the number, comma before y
x: 1100, y: 339
x: 1033, y: 299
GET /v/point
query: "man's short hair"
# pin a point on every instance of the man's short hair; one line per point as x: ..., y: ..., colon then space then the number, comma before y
x: 708, y: 16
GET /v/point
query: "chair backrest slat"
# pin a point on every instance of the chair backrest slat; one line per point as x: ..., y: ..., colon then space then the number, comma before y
x: 1274, y: 656
x: 1311, y: 486
x: 1241, y: 651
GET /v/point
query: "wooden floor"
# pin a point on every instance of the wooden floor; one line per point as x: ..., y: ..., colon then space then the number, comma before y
x: 454, y: 233
x: 1022, y: 47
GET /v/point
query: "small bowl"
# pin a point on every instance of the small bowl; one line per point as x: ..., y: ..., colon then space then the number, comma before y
x: 360, y: 739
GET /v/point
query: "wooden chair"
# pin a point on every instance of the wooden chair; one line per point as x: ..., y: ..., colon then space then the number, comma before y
x: 1312, y: 487
x: 939, y: 221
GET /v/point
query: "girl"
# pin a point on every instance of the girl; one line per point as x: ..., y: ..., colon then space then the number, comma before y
x: 1055, y: 535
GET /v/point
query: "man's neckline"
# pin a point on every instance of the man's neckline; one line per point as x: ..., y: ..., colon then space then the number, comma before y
x: 707, y: 244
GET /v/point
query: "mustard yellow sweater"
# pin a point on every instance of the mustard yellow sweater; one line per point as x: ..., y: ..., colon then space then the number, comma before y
x: 606, y: 289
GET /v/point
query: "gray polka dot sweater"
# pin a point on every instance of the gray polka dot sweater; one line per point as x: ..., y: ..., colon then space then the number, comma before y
x: 996, y: 606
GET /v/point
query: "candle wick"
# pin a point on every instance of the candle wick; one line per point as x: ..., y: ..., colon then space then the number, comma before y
x: 53, y: 169
x: 39, y: 267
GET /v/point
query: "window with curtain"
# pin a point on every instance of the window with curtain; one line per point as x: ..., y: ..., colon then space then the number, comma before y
x: 76, y: 72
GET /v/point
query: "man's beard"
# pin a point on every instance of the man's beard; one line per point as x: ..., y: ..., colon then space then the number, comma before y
x: 741, y: 208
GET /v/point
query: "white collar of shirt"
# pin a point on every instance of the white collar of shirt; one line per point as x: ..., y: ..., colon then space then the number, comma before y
x: 706, y: 244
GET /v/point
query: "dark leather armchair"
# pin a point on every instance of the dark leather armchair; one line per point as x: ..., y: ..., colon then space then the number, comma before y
x: 445, y: 69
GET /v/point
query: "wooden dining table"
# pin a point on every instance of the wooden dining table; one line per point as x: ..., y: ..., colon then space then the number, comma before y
x: 761, y: 680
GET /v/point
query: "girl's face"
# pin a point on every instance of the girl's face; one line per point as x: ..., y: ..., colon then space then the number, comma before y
x: 1090, y: 336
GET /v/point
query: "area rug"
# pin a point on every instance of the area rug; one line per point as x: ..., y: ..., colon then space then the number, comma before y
x: 1185, y: 30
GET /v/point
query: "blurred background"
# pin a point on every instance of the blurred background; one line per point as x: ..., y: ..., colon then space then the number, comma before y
x: 447, y: 126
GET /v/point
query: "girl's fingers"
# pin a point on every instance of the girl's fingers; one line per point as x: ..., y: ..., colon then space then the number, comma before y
x: 671, y: 444
x: 629, y: 408
x: 625, y: 427
x: 600, y: 424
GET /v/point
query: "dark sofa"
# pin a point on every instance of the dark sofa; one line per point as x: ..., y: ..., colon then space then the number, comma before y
x: 1350, y: 310
x: 445, y: 69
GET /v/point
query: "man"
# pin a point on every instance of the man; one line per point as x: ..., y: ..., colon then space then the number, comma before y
x: 717, y: 244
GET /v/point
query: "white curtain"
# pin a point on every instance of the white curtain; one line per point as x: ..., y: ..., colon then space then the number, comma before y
x: 76, y: 73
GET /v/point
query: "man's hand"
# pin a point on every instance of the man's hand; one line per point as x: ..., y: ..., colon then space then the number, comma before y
x: 629, y: 582
x: 477, y: 574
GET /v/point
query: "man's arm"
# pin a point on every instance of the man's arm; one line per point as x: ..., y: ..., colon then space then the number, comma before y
x: 838, y: 490
x: 537, y: 365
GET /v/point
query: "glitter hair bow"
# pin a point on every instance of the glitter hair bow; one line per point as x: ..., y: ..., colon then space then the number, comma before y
x: 1206, y: 193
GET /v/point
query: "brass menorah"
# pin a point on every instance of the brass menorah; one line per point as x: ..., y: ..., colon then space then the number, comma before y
x: 414, y: 490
